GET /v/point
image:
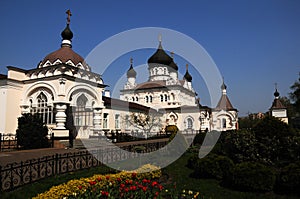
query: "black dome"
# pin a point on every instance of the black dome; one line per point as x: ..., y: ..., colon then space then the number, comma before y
x: 67, y: 33
x: 173, y: 65
x: 160, y: 57
x: 223, y: 86
x: 187, y: 76
x: 276, y: 93
x: 131, y: 72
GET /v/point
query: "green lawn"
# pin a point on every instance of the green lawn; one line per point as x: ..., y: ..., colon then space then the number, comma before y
x: 176, y: 172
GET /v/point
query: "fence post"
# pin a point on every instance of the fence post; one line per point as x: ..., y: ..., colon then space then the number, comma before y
x: 1, y: 177
x: 52, y: 140
x: 0, y: 141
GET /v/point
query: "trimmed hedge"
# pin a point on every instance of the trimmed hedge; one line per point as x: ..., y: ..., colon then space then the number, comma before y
x: 212, y: 166
x: 252, y: 176
x: 288, y: 181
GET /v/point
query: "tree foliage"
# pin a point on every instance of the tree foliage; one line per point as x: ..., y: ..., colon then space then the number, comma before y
x: 295, y: 94
x: 32, y: 132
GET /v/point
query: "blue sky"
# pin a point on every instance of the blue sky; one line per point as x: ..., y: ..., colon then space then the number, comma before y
x: 253, y: 43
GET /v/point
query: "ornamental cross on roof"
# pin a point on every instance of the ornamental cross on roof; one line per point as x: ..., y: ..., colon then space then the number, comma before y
x: 69, y: 16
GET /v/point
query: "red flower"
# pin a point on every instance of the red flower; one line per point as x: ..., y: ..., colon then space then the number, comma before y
x: 160, y: 187
x: 156, y: 193
x: 133, y: 175
x: 104, y: 193
x: 99, y: 179
x: 126, y: 189
x: 154, y: 183
x: 122, y: 185
x: 144, y: 180
x: 107, y: 177
x: 132, y: 188
x: 79, y: 187
x: 144, y: 189
x: 119, y: 179
x: 92, y: 182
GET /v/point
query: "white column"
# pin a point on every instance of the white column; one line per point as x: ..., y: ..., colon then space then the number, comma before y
x: 97, y: 120
x: 61, y: 116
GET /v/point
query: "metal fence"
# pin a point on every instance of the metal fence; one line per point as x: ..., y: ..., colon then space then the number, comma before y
x: 8, y: 142
x: 15, y: 175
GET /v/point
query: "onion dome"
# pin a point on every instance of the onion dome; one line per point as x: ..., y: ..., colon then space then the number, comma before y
x: 173, y: 66
x: 65, y: 55
x: 276, y: 93
x: 187, y: 75
x: 160, y: 56
x: 223, y: 86
x: 131, y: 72
x: 67, y: 34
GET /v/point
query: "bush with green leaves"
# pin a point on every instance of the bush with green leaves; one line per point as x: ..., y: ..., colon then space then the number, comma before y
x: 288, y: 181
x: 32, y: 132
x: 212, y: 166
x: 251, y: 176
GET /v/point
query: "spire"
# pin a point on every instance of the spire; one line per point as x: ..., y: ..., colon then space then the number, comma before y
x: 159, y: 40
x: 67, y: 34
x: 131, y: 72
x: 276, y: 93
x: 187, y: 75
x: 223, y: 87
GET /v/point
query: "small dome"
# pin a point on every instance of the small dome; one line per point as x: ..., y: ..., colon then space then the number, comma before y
x: 173, y: 65
x: 276, y: 93
x: 223, y: 86
x: 160, y: 57
x: 131, y: 72
x: 67, y: 34
x: 187, y: 76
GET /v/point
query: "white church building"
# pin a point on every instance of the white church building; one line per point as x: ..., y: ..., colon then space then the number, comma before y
x: 71, y: 98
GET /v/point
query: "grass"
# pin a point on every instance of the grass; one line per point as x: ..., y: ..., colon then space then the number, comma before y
x: 176, y: 172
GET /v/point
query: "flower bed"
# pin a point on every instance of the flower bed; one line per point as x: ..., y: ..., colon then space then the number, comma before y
x: 138, y: 184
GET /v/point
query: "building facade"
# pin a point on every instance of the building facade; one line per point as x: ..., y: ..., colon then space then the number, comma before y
x: 70, y: 98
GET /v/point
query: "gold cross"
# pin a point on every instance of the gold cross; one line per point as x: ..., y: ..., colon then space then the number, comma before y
x: 69, y: 15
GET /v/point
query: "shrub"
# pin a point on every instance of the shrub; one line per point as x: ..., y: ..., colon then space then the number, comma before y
x: 251, y: 176
x: 288, y: 181
x: 212, y: 166
x: 32, y: 132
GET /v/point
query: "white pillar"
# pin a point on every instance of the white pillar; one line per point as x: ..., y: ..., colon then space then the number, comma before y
x: 61, y: 116
x: 97, y: 119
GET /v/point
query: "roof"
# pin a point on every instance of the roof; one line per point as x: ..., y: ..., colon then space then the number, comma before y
x: 277, y: 104
x: 224, y: 103
x: 160, y: 56
x: 3, y: 76
x: 64, y: 54
x: 152, y: 84
x: 120, y: 104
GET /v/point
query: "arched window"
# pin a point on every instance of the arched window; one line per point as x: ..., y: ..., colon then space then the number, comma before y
x: 161, y: 98
x: 150, y: 99
x: 165, y: 71
x: 147, y: 99
x: 166, y: 97
x: 46, y: 112
x: 136, y: 99
x: 133, y: 99
x: 172, y: 97
x: 189, y: 123
x: 224, y: 123
x: 82, y: 115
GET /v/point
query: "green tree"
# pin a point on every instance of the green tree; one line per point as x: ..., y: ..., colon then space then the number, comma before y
x: 32, y: 132
x: 295, y: 94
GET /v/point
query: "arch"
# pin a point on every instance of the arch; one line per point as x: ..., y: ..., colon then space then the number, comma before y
x: 189, y: 122
x: 39, y: 86
x: 83, y: 88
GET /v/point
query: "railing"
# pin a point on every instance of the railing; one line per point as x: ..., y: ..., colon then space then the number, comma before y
x: 8, y: 142
x: 15, y: 175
